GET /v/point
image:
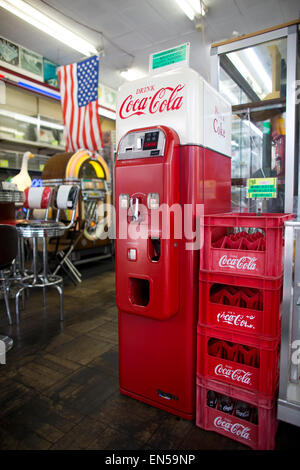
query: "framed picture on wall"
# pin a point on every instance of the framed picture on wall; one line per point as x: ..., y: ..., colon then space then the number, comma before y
x: 31, y: 62
x: 9, y: 52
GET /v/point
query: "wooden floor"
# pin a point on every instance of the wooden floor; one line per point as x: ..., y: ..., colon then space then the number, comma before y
x: 59, y: 388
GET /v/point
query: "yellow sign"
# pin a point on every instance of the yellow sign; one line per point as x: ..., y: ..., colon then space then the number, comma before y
x: 3, y: 163
x: 262, y: 188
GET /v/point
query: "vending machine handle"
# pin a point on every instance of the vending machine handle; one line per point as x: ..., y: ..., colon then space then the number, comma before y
x: 134, y: 208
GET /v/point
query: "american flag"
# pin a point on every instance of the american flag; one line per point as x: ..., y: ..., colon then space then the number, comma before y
x: 79, y: 99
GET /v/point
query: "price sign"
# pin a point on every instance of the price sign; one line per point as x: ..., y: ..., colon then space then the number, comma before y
x: 262, y: 188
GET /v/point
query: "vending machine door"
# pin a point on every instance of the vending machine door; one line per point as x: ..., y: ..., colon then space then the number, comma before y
x: 148, y: 222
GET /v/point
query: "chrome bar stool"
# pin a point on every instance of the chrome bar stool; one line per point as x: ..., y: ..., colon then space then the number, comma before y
x: 65, y: 199
x: 8, y: 252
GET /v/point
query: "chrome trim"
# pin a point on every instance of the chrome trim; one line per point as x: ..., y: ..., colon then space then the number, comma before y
x: 290, y: 140
x: 11, y: 196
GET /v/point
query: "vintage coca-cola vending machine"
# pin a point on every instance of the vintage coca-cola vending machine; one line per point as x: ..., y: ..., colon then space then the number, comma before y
x: 173, y: 160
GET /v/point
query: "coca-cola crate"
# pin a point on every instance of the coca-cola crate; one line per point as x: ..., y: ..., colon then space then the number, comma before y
x: 240, y: 304
x: 238, y: 359
x: 254, y: 424
x: 230, y: 248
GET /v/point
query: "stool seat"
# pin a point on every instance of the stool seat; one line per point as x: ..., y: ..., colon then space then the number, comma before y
x: 40, y: 228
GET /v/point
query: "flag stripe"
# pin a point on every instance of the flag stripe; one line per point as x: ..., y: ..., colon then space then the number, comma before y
x: 91, y: 116
x: 81, y: 125
x: 72, y: 107
x: 84, y: 129
x: 88, y: 128
x: 76, y: 110
x: 99, y: 133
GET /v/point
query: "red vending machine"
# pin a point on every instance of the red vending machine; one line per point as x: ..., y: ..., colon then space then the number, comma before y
x: 173, y: 164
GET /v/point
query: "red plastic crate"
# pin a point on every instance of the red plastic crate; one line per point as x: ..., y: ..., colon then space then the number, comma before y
x: 265, y: 260
x: 256, y: 312
x: 258, y: 435
x: 258, y: 373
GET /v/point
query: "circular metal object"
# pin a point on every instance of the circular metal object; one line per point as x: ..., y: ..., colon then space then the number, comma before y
x: 40, y: 228
x: 42, y: 281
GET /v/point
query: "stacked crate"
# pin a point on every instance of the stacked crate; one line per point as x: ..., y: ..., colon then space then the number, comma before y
x: 239, y: 326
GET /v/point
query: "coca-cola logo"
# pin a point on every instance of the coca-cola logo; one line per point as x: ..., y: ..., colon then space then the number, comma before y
x: 165, y: 99
x: 234, y: 428
x: 236, y: 375
x: 218, y: 123
x: 238, y: 320
x: 244, y: 263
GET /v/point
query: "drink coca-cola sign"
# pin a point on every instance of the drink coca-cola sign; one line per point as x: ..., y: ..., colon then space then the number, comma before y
x: 244, y: 263
x: 237, y: 429
x: 236, y: 320
x: 150, y: 101
x: 240, y: 376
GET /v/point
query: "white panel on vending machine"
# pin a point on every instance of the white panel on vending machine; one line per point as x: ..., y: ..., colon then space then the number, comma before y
x: 217, y: 118
x: 180, y: 99
x: 173, y: 99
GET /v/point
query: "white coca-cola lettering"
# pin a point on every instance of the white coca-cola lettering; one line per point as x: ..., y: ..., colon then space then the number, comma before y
x: 244, y: 263
x: 237, y: 320
x: 234, y: 428
x: 165, y: 99
x: 236, y: 375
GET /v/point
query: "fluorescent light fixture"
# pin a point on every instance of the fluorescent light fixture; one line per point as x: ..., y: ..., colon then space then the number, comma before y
x: 257, y: 64
x: 107, y: 113
x: 192, y: 8
x: 244, y: 71
x: 34, y: 17
x: 262, y: 84
x: 31, y: 120
x: 9, y: 130
x: 132, y: 74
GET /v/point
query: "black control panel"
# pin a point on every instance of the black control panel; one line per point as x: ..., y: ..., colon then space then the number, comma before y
x: 150, y: 140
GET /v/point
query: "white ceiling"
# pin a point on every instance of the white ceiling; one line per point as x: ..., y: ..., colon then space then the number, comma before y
x: 133, y: 29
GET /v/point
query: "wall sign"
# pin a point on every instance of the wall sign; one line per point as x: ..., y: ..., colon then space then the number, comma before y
x: 170, y: 58
x: 3, y: 163
x: 262, y: 188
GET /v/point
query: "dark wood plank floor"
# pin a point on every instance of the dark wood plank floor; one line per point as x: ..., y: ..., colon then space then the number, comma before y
x: 59, y: 388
